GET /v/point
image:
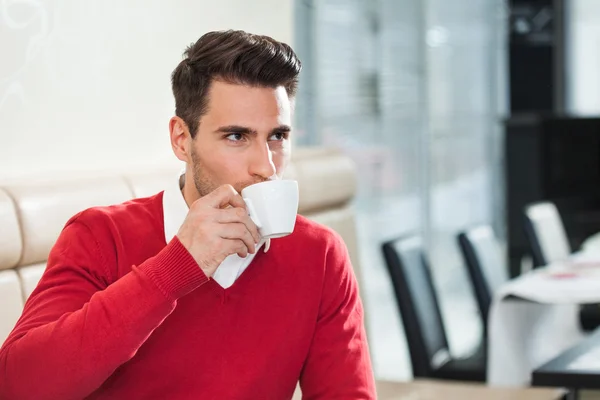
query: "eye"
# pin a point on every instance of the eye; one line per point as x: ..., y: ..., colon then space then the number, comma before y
x: 279, y: 136
x: 235, y: 137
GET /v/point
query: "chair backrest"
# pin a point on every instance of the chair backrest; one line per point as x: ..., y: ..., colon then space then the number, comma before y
x: 484, y: 260
x: 546, y: 234
x: 418, y: 304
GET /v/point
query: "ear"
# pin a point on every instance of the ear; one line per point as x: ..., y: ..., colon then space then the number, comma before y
x: 180, y: 139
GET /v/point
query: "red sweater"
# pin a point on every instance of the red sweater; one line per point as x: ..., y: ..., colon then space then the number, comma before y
x: 120, y: 314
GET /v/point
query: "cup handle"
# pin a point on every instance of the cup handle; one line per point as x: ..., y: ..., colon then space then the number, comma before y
x: 252, y: 213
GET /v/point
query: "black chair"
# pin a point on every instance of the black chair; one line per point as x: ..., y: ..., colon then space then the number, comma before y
x: 421, y: 317
x: 481, y: 251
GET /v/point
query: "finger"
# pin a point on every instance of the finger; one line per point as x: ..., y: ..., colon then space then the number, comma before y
x: 240, y: 215
x: 240, y: 232
x: 223, y: 196
x: 238, y: 247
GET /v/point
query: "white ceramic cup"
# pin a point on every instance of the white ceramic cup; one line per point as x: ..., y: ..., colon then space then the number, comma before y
x: 273, y: 206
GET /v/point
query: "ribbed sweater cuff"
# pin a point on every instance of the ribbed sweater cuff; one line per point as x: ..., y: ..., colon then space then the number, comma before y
x: 174, y: 270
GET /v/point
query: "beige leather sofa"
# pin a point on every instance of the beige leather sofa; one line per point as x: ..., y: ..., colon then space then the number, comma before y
x: 33, y: 214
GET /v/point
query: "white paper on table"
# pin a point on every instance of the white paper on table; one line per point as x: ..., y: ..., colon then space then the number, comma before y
x: 556, y: 284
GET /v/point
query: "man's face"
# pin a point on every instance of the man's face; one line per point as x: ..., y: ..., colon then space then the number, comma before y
x: 243, y: 138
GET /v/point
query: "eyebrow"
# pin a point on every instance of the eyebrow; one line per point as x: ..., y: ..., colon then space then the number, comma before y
x: 247, y: 131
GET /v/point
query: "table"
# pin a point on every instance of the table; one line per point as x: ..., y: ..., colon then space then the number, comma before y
x: 535, y: 317
x: 576, y: 368
x: 424, y: 389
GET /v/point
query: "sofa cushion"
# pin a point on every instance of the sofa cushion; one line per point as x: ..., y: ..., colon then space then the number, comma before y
x: 44, y: 209
x: 29, y: 276
x: 326, y: 179
x: 342, y: 221
x: 11, y: 301
x: 144, y: 184
x: 10, y: 233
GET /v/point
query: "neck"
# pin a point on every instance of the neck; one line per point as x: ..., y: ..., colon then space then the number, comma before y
x: 189, y: 192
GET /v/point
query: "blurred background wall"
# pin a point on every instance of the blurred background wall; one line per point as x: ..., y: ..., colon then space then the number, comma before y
x: 85, y: 84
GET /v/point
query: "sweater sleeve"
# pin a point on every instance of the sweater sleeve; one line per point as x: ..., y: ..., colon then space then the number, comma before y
x: 338, y: 365
x: 78, y: 327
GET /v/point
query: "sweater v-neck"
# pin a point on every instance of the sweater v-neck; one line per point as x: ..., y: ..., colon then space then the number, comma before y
x: 243, y: 280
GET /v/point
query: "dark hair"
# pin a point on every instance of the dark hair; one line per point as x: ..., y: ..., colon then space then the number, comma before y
x: 233, y: 57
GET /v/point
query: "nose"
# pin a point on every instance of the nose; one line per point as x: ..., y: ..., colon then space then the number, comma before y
x: 262, y: 162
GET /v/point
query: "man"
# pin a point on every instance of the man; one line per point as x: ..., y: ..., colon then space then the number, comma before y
x: 175, y: 296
